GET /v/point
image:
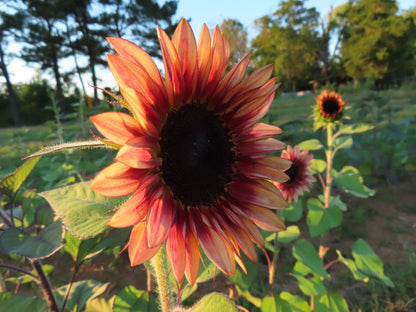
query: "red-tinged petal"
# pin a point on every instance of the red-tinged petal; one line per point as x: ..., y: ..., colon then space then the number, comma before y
x: 136, y: 54
x: 139, y: 252
x: 160, y: 218
x: 258, y: 193
x: 175, y: 248
x: 264, y: 218
x: 233, y: 78
x: 129, y: 213
x: 117, y: 127
x: 192, y: 257
x: 130, y: 75
x: 261, y: 146
x: 255, y: 170
x: 143, y: 111
x: 184, y: 41
x: 260, y: 131
x: 213, y: 245
x: 117, y: 180
x: 140, y: 153
x: 172, y: 64
x: 220, y: 58
x: 204, y: 58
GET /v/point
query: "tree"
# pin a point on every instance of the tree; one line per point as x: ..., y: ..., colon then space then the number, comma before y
x: 290, y: 40
x: 237, y: 37
x: 372, y: 38
x: 9, y: 23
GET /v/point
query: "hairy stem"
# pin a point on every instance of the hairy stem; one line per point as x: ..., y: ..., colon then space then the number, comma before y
x: 160, y: 265
x: 46, y: 287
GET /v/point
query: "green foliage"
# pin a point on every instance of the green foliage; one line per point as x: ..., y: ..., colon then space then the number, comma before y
x: 321, y: 219
x: 83, y: 211
x: 131, y: 299
x: 305, y: 253
x: 243, y: 280
x: 349, y: 180
x: 18, y: 303
x: 214, y: 302
x: 286, y: 302
x: 331, y: 303
x: 311, y: 284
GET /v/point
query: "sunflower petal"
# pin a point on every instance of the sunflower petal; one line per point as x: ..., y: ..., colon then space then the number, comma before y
x: 139, y: 153
x: 175, y: 249
x: 139, y: 252
x: 261, y: 146
x: 127, y: 127
x: 204, y: 58
x: 259, y: 131
x: 192, y: 257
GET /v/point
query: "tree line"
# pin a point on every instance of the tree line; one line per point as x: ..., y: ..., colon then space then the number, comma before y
x: 357, y: 40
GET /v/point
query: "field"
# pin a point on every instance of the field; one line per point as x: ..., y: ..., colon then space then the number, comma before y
x: 384, y: 155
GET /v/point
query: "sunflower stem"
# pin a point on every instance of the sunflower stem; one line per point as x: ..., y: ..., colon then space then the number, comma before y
x: 272, y: 268
x: 328, y: 180
x: 160, y: 264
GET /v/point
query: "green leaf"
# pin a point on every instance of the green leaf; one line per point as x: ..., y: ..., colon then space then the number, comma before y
x: 309, y: 283
x: 351, y: 129
x: 310, y: 145
x: 321, y: 219
x: 131, y: 299
x: 214, y: 302
x: 17, y: 303
x: 330, y: 302
x: 317, y: 166
x: 334, y: 201
x: 292, y: 232
x: 353, y: 268
x: 81, y: 293
x: 47, y: 242
x: 343, y: 142
x: 242, y: 279
x: 83, y: 211
x: 100, y: 305
x: 293, y: 303
x: 304, y: 252
x: 293, y: 213
x: 11, y: 183
x: 368, y: 262
x: 268, y: 304
x: 350, y: 181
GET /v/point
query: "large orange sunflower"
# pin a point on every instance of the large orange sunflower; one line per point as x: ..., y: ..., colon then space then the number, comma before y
x: 330, y: 105
x: 192, y: 153
x: 300, y: 176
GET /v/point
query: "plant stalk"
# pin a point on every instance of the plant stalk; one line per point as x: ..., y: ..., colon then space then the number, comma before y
x: 45, y: 285
x: 160, y: 264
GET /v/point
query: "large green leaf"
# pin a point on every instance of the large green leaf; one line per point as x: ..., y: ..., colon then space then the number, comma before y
x: 353, y: 268
x: 334, y: 201
x: 214, y: 302
x: 309, y: 283
x: 356, y: 128
x: 48, y: 241
x: 292, y: 232
x: 321, y: 219
x: 343, y: 142
x: 286, y: 303
x: 131, y: 299
x: 17, y: 303
x: 81, y: 293
x: 310, y: 145
x: 11, y: 183
x: 293, y: 213
x: 83, y: 211
x: 350, y: 180
x: 317, y: 166
x: 100, y: 305
x: 368, y: 262
x: 304, y: 252
x: 330, y: 303
x: 242, y: 279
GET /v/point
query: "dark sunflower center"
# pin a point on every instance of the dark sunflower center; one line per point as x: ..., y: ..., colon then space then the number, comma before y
x: 293, y: 173
x: 331, y: 106
x: 197, y: 155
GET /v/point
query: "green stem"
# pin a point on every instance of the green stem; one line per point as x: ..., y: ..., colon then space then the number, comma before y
x: 160, y: 264
x: 272, y: 269
x: 328, y: 180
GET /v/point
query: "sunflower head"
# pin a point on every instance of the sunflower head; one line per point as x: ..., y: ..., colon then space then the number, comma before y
x: 300, y: 176
x: 192, y: 154
x: 329, y: 107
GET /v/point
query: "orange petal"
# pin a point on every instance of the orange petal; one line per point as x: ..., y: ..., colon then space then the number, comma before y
x: 117, y: 180
x: 261, y: 146
x: 172, y: 64
x: 184, y: 41
x: 192, y: 257
x: 140, y: 153
x: 160, y: 218
x: 136, y: 54
x: 257, y: 192
x: 204, y: 58
x: 117, y: 127
x: 175, y: 248
x: 139, y: 252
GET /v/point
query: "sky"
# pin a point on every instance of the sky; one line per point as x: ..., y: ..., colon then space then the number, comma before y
x: 210, y: 12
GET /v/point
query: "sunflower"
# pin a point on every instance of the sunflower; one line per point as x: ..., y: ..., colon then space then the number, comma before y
x: 191, y: 154
x: 300, y: 177
x: 330, y: 105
